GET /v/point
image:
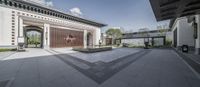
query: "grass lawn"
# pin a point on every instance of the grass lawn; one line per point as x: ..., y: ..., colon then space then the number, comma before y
x: 4, y: 49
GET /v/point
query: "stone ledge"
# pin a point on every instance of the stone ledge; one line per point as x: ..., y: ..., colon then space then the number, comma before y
x: 92, y: 50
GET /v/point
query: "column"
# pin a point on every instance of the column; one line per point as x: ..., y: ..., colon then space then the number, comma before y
x: 97, y: 36
x: 20, y: 31
x: 46, y: 36
x: 85, y: 39
x: 198, y: 35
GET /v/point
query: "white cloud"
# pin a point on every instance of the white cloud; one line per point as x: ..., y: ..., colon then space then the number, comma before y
x: 49, y: 3
x: 76, y: 11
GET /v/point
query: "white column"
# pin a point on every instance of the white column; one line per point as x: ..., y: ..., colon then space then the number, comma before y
x: 198, y: 38
x: 21, y: 31
x: 97, y: 36
x: 85, y: 39
x: 46, y: 37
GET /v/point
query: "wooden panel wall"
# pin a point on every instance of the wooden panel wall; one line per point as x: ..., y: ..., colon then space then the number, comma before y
x: 65, y: 38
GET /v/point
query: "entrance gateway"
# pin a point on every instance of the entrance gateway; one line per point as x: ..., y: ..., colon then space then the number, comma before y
x: 24, y: 24
x: 36, y: 36
x: 40, y: 35
x: 33, y: 37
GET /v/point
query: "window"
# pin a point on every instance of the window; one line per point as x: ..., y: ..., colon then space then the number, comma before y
x: 39, y: 10
x: 24, y: 7
x: 35, y: 9
x: 195, y: 27
x: 31, y: 8
x: 15, y: 4
x: 28, y: 8
x: 42, y: 11
x: 20, y: 6
x: 10, y: 3
x: 6, y: 2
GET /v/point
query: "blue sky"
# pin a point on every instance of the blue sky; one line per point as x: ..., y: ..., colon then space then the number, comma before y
x: 129, y: 14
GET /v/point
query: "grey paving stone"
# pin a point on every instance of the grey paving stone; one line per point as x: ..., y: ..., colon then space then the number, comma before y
x: 5, y: 54
x: 9, y: 68
x: 158, y: 68
x: 27, y: 76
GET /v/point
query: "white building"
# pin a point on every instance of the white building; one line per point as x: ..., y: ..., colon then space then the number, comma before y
x: 57, y: 28
x: 186, y: 31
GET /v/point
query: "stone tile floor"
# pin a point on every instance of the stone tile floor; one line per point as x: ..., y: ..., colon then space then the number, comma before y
x: 106, y: 56
x: 144, y: 68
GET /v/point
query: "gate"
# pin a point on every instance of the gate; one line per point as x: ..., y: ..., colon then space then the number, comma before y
x: 65, y: 38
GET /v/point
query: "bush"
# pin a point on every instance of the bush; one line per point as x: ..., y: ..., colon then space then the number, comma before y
x: 4, y: 50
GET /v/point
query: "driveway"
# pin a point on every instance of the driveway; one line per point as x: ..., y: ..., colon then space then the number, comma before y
x: 139, y: 68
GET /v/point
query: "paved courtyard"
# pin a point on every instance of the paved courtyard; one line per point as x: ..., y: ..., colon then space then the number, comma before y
x: 122, y: 67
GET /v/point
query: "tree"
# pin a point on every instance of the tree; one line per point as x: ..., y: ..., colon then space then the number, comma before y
x: 162, y: 29
x: 114, y: 34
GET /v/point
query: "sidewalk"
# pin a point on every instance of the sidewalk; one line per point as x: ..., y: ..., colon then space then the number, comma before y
x: 192, y: 59
x: 5, y: 54
x: 30, y: 52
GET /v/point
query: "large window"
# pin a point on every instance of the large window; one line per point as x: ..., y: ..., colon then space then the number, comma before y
x: 195, y: 30
x: 1, y: 1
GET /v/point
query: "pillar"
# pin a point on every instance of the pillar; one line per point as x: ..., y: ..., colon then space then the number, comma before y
x: 46, y: 37
x: 85, y: 39
x: 20, y: 31
x: 97, y: 36
x: 197, y: 47
x: 152, y: 41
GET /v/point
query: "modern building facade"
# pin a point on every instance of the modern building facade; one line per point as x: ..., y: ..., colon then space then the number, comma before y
x: 185, y: 20
x: 58, y: 29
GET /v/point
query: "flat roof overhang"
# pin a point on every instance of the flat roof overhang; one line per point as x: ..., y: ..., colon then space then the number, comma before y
x: 170, y: 9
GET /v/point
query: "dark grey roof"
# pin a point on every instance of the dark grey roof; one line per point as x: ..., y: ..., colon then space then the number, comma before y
x: 71, y: 17
x: 170, y: 9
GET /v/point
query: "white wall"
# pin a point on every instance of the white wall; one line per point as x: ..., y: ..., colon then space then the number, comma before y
x: 6, y: 24
x: 135, y: 42
x: 184, y: 32
x: 198, y: 38
x: 5, y: 27
x: 97, y: 36
x: 158, y: 42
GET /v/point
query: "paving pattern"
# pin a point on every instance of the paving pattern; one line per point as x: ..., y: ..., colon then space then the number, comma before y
x: 144, y: 68
x: 100, y: 71
x: 106, y: 56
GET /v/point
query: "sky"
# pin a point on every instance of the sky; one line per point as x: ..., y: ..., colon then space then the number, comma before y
x: 131, y: 15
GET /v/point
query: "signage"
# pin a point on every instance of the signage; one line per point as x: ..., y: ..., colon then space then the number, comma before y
x: 20, y: 39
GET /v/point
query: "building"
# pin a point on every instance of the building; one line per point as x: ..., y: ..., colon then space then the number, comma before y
x: 185, y: 20
x: 57, y: 29
x: 185, y: 32
x: 154, y: 37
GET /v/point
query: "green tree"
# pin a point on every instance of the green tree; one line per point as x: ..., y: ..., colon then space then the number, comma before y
x: 114, y: 34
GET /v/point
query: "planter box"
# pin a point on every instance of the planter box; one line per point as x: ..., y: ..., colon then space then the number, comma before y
x: 92, y: 50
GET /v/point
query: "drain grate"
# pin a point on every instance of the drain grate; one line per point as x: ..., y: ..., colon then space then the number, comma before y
x: 4, y: 83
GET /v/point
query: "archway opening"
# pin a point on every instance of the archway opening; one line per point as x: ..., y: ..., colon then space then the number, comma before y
x: 33, y: 37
